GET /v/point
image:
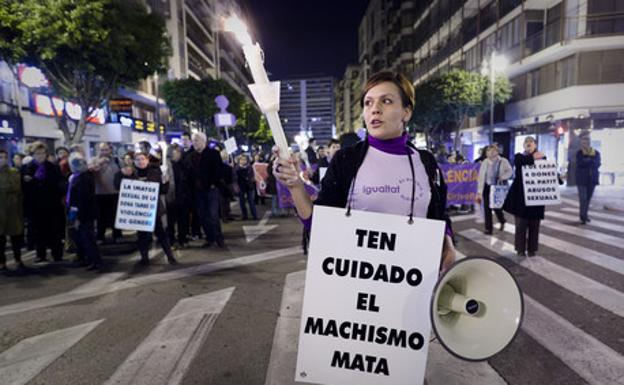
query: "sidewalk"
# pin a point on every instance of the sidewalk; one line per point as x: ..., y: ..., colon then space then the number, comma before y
x: 610, y: 198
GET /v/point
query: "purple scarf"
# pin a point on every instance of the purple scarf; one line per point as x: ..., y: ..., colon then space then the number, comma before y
x: 395, y: 146
x: 40, y: 174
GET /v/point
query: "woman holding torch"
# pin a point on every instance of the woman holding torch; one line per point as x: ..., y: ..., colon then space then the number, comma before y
x: 384, y: 173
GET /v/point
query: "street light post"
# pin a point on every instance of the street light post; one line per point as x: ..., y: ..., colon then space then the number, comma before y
x: 496, y: 63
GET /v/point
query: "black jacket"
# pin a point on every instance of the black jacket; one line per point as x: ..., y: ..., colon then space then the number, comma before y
x: 514, y: 202
x: 82, y: 196
x: 206, y: 169
x: 345, y: 164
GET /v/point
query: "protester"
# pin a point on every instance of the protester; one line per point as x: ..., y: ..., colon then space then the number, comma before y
x: 43, y: 185
x: 104, y: 168
x: 311, y: 152
x: 147, y: 172
x: 494, y: 170
x: 380, y: 159
x: 206, y: 175
x: 177, y: 215
x: 587, y: 175
x: 190, y: 210
x: 442, y: 155
x: 246, y: 186
x: 82, y: 211
x: 128, y: 159
x: 332, y: 148
x: 228, y: 189
x: 18, y: 159
x: 62, y: 160
x: 11, y: 215
x: 527, y: 217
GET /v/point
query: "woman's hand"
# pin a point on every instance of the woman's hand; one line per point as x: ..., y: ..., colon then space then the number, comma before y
x: 448, y: 253
x: 287, y: 171
x: 538, y: 155
x: 479, y: 198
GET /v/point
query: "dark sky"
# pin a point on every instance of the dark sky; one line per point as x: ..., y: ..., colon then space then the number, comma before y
x: 302, y: 37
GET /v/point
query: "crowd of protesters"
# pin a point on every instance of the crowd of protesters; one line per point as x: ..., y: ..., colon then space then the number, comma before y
x: 56, y: 201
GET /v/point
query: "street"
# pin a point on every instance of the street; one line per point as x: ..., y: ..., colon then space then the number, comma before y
x: 231, y: 316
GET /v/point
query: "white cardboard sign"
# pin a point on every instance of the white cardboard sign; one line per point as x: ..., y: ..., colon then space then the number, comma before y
x: 138, y: 202
x: 230, y: 145
x: 369, y: 281
x: 541, y: 184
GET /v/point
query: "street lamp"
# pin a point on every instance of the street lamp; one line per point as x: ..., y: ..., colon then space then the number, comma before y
x: 496, y: 64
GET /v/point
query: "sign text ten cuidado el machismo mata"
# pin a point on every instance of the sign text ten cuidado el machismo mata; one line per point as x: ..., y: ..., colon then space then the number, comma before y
x: 365, y: 317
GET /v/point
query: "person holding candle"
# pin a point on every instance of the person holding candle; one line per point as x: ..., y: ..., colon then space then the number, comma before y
x: 357, y: 176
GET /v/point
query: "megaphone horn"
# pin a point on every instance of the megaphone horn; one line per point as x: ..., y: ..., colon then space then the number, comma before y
x: 476, y: 308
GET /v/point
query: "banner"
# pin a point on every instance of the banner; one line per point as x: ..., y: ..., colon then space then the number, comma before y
x: 285, y: 200
x: 365, y: 318
x: 261, y: 175
x: 541, y: 183
x: 230, y: 146
x: 462, y: 181
x: 138, y: 202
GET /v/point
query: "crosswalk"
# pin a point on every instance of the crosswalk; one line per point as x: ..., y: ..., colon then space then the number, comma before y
x: 165, y: 355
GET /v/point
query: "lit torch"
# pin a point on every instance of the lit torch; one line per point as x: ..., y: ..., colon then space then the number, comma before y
x: 266, y: 93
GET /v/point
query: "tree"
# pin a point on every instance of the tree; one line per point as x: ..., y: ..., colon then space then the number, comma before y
x: 194, y: 100
x: 453, y: 97
x: 86, y: 48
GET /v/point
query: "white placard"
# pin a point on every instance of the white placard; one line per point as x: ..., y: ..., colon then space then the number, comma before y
x: 322, y: 171
x: 138, y: 202
x: 230, y: 145
x: 541, y: 184
x: 349, y: 315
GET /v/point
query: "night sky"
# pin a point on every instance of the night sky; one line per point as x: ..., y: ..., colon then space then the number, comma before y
x: 306, y: 37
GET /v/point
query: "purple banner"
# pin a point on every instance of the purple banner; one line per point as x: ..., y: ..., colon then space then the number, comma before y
x: 285, y: 200
x: 462, y: 181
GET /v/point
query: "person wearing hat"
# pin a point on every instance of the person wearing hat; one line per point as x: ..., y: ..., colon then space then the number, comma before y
x: 82, y: 212
x: 144, y: 171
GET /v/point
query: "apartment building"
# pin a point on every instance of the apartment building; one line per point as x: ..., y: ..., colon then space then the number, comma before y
x: 346, y: 97
x: 307, y: 107
x: 565, y: 62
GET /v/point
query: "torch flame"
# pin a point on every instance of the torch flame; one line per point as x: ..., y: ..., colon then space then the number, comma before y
x: 235, y: 25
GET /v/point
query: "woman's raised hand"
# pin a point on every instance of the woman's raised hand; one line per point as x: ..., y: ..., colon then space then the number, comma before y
x: 287, y: 171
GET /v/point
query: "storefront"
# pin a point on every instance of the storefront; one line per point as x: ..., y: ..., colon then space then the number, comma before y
x: 11, y: 133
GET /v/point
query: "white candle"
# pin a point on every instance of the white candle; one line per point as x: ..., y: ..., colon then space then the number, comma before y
x: 262, y: 89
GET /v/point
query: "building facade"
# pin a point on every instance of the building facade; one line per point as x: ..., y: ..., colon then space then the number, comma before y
x: 198, y: 51
x: 565, y: 63
x: 307, y: 108
x: 346, y: 96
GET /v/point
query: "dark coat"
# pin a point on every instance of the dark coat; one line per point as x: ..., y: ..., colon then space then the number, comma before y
x: 44, y: 196
x: 11, y: 206
x: 82, y: 196
x: 345, y: 164
x: 206, y: 169
x: 149, y: 174
x: 181, y: 180
x: 245, y: 178
x: 587, y: 166
x: 514, y: 202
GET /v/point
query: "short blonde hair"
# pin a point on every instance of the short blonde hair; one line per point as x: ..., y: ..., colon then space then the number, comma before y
x: 38, y: 145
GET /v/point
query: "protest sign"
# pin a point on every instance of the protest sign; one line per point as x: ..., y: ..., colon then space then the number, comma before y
x: 138, y: 202
x: 230, y: 146
x: 541, y: 183
x: 498, y: 193
x: 462, y: 181
x: 261, y: 175
x: 365, y: 317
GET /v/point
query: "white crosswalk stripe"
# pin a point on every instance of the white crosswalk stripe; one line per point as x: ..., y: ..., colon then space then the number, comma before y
x: 590, y: 255
x: 594, y: 222
x: 22, y: 362
x: 617, y: 218
x: 589, y: 234
x: 604, y: 296
x: 166, y: 354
